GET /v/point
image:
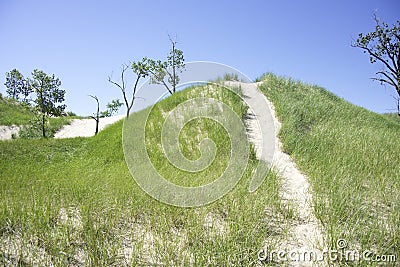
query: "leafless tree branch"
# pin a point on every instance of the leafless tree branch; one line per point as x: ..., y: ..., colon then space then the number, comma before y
x: 122, y: 87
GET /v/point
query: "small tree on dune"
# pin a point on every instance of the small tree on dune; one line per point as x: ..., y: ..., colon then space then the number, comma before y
x: 170, y: 68
x: 157, y: 70
x: 96, y: 116
x: 49, y: 96
x: 112, y: 107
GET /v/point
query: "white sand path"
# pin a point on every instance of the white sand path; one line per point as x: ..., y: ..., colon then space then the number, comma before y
x: 85, y: 127
x: 77, y: 128
x: 306, y: 233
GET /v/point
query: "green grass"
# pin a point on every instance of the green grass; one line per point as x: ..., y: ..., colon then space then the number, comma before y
x: 392, y: 116
x: 13, y: 112
x: 73, y: 200
x: 351, y: 156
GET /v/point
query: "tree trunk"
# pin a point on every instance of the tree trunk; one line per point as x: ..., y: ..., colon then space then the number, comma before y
x: 43, y: 126
x: 173, y: 68
x: 398, y: 107
x: 97, y: 124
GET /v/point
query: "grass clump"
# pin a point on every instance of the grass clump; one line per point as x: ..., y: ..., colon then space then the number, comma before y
x: 351, y: 156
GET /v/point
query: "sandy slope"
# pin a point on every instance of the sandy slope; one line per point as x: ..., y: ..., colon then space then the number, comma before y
x: 85, y: 127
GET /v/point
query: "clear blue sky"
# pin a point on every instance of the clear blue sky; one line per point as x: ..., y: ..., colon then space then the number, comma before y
x: 83, y: 42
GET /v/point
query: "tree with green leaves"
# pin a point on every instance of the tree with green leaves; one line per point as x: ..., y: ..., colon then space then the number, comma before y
x: 157, y: 70
x: 17, y: 85
x: 170, y: 68
x: 383, y: 45
x: 112, y: 108
x: 49, y: 96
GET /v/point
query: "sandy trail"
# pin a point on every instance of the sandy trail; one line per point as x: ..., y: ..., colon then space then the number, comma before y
x: 306, y: 234
x: 85, y: 127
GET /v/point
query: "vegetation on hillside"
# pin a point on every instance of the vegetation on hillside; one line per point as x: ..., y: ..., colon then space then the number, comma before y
x: 73, y: 201
x: 35, y: 100
x: 351, y: 156
x: 12, y: 112
x: 392, y: 116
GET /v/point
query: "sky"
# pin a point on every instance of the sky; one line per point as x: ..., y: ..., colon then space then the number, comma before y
x: 84, y: 42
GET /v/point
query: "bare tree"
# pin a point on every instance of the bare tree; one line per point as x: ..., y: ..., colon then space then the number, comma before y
x: 383, y: 45
x: 112, y: 108
x: 96, y: 116
x: 122, y: 87
x: 141, y: 71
